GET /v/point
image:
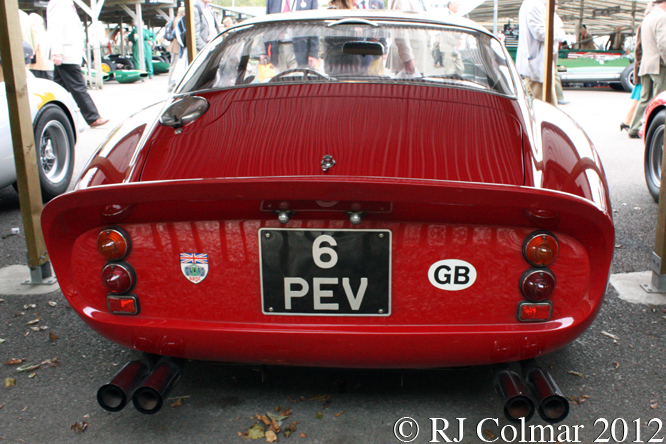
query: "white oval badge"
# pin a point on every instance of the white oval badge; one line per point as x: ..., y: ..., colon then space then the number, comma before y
x: 452, y: 274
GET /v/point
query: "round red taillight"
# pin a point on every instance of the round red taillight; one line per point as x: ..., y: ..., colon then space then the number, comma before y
x: 113, y: 243
x: 118, y: 278
x: 537, y: 284
x: 541, y: 248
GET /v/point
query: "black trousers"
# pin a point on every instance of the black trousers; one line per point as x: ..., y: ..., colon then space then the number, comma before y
x: 70, y: 77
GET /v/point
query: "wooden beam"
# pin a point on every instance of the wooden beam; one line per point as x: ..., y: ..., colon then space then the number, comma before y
x: 548, y: 56
x: 23, y: 139
x: 189, y: 26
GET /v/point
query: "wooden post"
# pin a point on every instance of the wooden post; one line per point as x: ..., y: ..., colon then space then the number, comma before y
x: 25, y: 152
x: 548, y: 56
x: 139, y: 37
x: 189, y: 25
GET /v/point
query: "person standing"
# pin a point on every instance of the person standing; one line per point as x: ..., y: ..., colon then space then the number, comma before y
x: 530, y: 57
x: 452, y: 7
x: 174, y: 46
x: 653, y: 61
x: 206, y: 27
x: 42, y: 67
x: 65, y: 32
x: 368, y: 4
x: 148, y: 37
x: 585, y: 39
x: 288, y: 52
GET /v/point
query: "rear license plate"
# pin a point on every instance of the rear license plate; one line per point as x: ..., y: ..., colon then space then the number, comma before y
x: 325, y: 272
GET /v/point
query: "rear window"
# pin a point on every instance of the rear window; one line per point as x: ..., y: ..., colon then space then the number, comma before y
x: 352, y: 50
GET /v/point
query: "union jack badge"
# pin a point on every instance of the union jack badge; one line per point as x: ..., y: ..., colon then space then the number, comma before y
x: 194, y: 266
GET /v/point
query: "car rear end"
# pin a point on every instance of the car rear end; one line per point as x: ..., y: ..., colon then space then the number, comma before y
x: 352, y: 223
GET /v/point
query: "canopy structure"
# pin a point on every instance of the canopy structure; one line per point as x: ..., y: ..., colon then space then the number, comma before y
x: 601, y: 17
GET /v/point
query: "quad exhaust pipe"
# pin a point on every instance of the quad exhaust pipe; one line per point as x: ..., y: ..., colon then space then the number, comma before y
x: 536, y: 390
x: 553, y: 407
x: 146, y: 381
x: 516, y: 398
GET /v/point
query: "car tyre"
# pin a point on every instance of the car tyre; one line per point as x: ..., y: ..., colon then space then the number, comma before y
x: 654, y: 144
x: 54, y: 138
x: 124, y: 63
x: 627, y: 78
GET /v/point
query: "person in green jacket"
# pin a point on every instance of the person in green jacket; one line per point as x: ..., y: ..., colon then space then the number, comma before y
x: 148, y: 37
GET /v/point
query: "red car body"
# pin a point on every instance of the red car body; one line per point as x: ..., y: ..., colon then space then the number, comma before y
x: 439, y: 175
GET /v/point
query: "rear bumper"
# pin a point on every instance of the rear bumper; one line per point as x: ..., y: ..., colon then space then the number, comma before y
x: 343, y: 346
x: 221, y: 318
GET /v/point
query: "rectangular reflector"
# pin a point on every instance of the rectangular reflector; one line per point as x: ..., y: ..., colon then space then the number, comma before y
x: 534, y: 311
x: 127, y: 304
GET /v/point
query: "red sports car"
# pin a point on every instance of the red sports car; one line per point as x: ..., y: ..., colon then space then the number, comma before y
x: 318, y: 192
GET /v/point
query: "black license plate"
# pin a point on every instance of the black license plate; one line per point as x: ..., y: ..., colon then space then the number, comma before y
x: 325, y: 272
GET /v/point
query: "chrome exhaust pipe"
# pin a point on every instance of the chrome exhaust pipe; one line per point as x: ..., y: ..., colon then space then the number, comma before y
x: 114, y: 395
x: 149, y: 398
x: 553, y: 407
x: 515, y: 395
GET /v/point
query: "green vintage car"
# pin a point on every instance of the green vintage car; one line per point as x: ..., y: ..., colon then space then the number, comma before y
x: 612, y: 68
x: 588, y: 67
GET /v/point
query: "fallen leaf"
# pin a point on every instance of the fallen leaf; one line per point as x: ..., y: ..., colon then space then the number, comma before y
x: 279, y: 417
x: 576, y: 374
x: 488, y: 434
x: 337, y: 415
x: 32, y: 375
x: 616, y: 364
x: 320, y: 398
x: 79, y: 427
x: 303, y: 435
x: 50, y: 362
x: 52, y: 303
x: 319, y: 415
x: 34, y: 321
x: 30, y: 306
x: 52, y: 336
x: 578, y: 399
x: 177, y: 403
x: 256, y: 432
x: 291, y: 429
x: 271, y: 436
x: 27, y: 368
x: 10, y: 382
x: 34, y: 328
x: 14, y: 361
x: 610, y: 335
x: 43, y: 327
x: 264, y: 419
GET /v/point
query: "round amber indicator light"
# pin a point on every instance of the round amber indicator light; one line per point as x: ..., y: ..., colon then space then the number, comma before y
x: 113, y: 244
x: 541, y: 248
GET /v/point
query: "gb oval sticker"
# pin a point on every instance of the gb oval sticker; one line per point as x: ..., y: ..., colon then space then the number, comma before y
x: 452, y: 274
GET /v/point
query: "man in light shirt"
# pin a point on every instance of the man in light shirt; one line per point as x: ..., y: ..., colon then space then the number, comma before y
x: 206, y: 27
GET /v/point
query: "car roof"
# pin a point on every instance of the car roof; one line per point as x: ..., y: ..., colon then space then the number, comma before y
x: 435, y: 18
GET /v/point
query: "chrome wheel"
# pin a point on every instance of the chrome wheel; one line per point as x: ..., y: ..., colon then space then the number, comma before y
x: 54, y: 151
